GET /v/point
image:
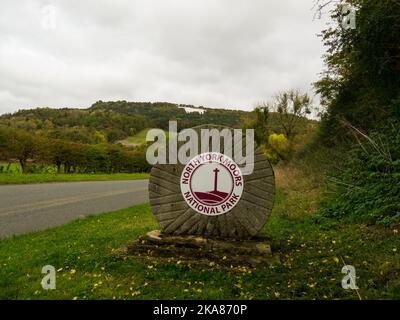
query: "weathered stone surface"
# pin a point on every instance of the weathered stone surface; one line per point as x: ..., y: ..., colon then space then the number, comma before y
x: 245, y: 220
x: 203, y: 251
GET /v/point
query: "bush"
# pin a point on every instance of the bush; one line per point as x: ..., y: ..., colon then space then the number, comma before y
x: 277, y: 148
x: 280, y: 144
x: 368, y: 189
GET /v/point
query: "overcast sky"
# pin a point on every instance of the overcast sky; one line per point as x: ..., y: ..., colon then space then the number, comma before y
x: 215, y: 53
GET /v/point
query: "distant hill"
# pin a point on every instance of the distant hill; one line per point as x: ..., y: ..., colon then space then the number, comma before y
x: 108, y: 122
x: 161, y: 112
x: 108, y: 136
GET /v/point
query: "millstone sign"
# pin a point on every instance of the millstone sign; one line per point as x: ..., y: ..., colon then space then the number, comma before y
x: 210, y: 196
x: 212, y: 205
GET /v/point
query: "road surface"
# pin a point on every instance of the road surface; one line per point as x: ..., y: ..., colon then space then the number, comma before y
x: 32, y: 207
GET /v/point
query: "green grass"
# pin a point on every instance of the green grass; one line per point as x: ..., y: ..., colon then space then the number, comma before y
x: 12, y: 174
x: 17, y: 178
x: 140, y: 137
x: 90, y: 267
x: 10, y: 167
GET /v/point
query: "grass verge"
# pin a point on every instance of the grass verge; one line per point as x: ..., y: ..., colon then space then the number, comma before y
x: 89, y: 266
x: 17, y: 178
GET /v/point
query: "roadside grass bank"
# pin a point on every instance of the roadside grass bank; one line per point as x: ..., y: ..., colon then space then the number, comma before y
x: 19, y: 178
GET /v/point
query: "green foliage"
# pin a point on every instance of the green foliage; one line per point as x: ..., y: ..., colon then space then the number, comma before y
x: 360, y: 89
x: 160, y: 113
x: 10, y: 168
x: 291, y: 106
x: 288, y: 124
x: 369, y: 187
x: 19, y: 145
x: 362, y: 75
x: 270, y: 154
x: 84, y: 141
x: 280, y: 144
x: 36, y: 153
x: 260, y: 124
x: 77, y: 125
x: 277, y: 148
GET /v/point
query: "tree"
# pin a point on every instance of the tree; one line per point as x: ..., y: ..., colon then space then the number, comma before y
x: 97, y: 159
x: 279, y: 144
x: 291, y: 106
x: 117, y: 158
x: 4, y: 144
x: 260, y: 124
x: 22, y: 146
x: 362, y: 66
x: 56, y: 152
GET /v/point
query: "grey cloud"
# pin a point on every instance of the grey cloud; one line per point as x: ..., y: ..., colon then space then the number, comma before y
x: 225, y: 53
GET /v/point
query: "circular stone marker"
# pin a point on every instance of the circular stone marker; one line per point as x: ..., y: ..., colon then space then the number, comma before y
x: 210, y: 184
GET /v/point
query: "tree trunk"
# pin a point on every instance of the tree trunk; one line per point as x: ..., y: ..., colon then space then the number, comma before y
x: 22, y: 162
x: 58, y: 164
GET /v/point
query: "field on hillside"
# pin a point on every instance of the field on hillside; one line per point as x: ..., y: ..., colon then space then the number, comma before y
x: 310, y: 257
x: 140, y: 137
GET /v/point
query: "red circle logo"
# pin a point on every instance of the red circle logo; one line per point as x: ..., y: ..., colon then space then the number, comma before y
x: 212, y: 183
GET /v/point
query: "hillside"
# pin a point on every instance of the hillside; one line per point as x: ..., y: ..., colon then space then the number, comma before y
x: 108, y: 122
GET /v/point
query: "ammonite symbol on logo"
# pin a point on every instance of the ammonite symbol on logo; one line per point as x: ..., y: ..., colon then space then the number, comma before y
x: 212, y: 183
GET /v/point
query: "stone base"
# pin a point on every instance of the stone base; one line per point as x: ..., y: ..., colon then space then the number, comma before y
x: 199, y: 250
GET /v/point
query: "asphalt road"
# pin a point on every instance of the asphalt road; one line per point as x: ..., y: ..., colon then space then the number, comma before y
x: 32, y: 207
